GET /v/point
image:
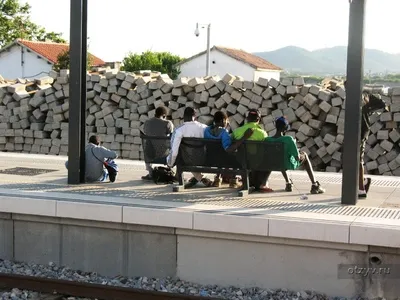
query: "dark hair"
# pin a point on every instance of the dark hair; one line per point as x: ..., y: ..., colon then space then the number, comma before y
x: 188, y: 114
x: 253, y: 115
x: 94, y: 139
x: 161, y: 111
x: 220, y: 117
x: 281, y: 124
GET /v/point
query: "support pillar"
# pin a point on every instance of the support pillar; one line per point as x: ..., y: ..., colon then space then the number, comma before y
x: 352, y: 129
x: 77, y: 86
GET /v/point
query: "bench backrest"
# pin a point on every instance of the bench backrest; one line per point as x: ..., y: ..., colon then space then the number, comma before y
x: 155, y: 147
x: 262, y: 156
x: 252, y: 155
x: 205, y: 152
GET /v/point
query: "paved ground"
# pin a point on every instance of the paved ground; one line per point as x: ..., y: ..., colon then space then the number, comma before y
x: 384, y: 192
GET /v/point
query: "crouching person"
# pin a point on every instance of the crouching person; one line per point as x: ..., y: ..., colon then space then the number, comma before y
x: 97, y: 160
x: 295, y: 158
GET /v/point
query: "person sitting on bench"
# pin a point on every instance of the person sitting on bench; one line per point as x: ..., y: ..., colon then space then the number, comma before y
x: 218, y: 131
x: 295, y: 158
x: 258, y: 179
x: 190, y: 129
x: 157, y: 126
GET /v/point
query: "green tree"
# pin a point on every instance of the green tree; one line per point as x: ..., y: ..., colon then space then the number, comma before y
x: 15, y: 23
x: 63, y: 61
x: 163, y: 62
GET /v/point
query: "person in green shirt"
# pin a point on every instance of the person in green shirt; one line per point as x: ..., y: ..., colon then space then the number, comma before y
x: 253, y: 120
x: 258, y: 179
x: 294, y: 157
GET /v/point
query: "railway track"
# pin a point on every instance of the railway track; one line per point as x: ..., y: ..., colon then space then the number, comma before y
x: 86, y: 290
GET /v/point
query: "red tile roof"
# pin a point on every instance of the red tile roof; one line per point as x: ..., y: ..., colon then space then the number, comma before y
x: 248, y: 58
x: 50, y: 51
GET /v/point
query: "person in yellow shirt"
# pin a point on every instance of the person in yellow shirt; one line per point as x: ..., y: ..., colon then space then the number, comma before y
x: 253, y: 120
x: 258, y: 179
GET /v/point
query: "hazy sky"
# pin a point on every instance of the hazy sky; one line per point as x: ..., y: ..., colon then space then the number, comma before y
x: 119, y: 26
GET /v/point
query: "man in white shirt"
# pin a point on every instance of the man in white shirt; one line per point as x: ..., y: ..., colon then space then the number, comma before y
x: 191, y: 129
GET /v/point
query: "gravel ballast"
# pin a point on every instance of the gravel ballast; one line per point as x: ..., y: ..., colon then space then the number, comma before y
x: 168, y: 284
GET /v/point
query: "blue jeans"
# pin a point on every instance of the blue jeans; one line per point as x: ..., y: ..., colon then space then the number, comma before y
x: 103, y: 177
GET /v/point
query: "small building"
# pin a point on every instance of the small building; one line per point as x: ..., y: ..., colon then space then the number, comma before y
x: 227, y: 60
x: 28, y: 59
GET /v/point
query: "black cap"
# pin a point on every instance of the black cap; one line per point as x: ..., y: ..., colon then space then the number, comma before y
x: 253, y: 114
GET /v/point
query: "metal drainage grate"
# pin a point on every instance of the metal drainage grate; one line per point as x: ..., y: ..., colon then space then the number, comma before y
x: 26, y: 171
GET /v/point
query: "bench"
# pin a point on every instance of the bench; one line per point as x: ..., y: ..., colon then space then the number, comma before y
x: 208, y: 156
x: 205, y: 156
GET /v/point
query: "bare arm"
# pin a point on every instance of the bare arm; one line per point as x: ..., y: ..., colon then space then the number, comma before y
x: 238, y: 143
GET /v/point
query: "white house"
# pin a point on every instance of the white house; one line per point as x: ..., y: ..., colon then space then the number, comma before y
x: 28, y: 59
x: 233, y: 61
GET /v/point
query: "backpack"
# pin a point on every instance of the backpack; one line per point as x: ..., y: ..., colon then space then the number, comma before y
x: 163, y: 175
x: 112, y: 169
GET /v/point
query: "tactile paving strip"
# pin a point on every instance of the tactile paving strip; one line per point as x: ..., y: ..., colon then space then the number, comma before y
x: 284, y: 206
x: 334, y: 178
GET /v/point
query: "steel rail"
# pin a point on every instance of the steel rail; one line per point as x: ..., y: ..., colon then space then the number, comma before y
x: 87, y: 290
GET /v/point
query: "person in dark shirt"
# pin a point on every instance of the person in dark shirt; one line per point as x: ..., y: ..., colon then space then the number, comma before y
x: 294, y: 157
x: 157, y: 126
x: 371, y: 103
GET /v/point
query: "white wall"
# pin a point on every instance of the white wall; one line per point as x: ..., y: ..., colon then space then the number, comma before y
x: 267, y: 74
x: 10, y: 64
x: 223, y: 64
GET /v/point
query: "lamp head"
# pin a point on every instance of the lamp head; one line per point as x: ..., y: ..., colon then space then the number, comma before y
x: 197, y: 31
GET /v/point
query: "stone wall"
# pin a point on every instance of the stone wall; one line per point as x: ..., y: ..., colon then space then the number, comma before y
x: 34, y: 115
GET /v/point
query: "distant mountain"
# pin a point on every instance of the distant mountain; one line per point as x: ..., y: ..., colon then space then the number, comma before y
x: 329, y: 60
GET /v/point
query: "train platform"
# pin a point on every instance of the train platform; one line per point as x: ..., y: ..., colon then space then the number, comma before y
x: 204, y: 235
x: 41, y: 177
x: 45, y: 175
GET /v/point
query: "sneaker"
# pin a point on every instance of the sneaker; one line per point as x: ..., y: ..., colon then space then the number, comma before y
x: 264, y: 190
x: 317, y: 189
x: 191, y: 183
x: 289, y: 186
x: 207, y: 182
x: 217, y: 182
x: 367, y: 184
x: 147, y: 177
x: 362, y: 194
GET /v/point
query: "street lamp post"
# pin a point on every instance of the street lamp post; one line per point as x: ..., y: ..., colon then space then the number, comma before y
x: 197, y: 33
